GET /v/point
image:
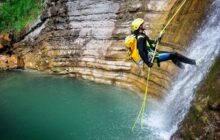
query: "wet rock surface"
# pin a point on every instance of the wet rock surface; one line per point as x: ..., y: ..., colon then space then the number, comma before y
x: 203, y: 119
x: 7, y: 60
x: 85, y: 39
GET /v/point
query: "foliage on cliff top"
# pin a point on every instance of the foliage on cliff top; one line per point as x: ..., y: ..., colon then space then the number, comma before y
x: 17, y: 14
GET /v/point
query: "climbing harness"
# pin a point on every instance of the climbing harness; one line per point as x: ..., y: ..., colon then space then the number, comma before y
x: 143, y: 106
x: 131, y: 45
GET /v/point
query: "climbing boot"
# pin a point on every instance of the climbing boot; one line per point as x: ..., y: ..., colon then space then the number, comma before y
x: 183, y: 59
x: 178, y: 63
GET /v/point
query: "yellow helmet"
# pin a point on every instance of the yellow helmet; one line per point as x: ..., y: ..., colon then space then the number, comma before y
x: 136, y: 24
x: 130, y: 41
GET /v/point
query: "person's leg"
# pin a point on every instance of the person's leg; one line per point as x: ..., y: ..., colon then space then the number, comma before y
x: 182, y: 58
x: 178, y: 63
x: 164, y: 56
x: 175, y: 57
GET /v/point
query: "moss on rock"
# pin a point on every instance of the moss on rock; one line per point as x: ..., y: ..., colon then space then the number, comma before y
x: 202, y: 121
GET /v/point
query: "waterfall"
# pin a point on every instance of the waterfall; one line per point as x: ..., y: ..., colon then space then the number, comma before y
x: 204, y: 48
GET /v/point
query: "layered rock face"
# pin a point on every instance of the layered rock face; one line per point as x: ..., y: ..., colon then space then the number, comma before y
x: 85, y: 39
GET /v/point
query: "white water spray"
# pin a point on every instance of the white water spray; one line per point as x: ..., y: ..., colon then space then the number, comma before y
x: 205, y: 48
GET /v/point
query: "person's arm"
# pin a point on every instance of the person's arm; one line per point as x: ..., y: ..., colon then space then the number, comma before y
x: 152, y: 43
x: 158, y: 38
x: 141, y: 45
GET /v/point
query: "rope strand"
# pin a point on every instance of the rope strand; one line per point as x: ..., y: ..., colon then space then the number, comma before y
x: 143, y: 106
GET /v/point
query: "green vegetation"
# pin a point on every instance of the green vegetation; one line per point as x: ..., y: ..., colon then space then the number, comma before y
x: 17, y: 14
x: 213, y: 89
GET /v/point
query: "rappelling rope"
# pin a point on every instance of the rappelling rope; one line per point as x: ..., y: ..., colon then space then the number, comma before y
x: 164, y: 28
x: 142, y: 109
x: 141, y: 112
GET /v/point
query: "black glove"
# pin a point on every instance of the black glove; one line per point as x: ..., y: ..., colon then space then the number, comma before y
x: 160, y: 36
x: 150, y: 64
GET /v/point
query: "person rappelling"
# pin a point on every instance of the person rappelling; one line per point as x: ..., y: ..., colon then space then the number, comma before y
x: 144, y: 50
x: 141, y: 48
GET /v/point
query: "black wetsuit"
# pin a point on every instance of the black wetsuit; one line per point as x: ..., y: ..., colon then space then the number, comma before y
x: 142, y: 40
x: 146, y: 48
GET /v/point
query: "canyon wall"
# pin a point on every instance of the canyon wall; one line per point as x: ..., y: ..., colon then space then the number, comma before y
x: 85, y: 39
x: 203, y: 118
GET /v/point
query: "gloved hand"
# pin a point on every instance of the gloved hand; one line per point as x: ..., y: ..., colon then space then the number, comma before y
x: 160, y: 35
x: 150, y: 64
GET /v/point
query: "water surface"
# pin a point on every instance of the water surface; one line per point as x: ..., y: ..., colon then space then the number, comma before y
x: 35, y: 106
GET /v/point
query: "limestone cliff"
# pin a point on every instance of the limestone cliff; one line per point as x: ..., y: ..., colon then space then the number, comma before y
x: 84, y: 39
x: 7, y: 60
